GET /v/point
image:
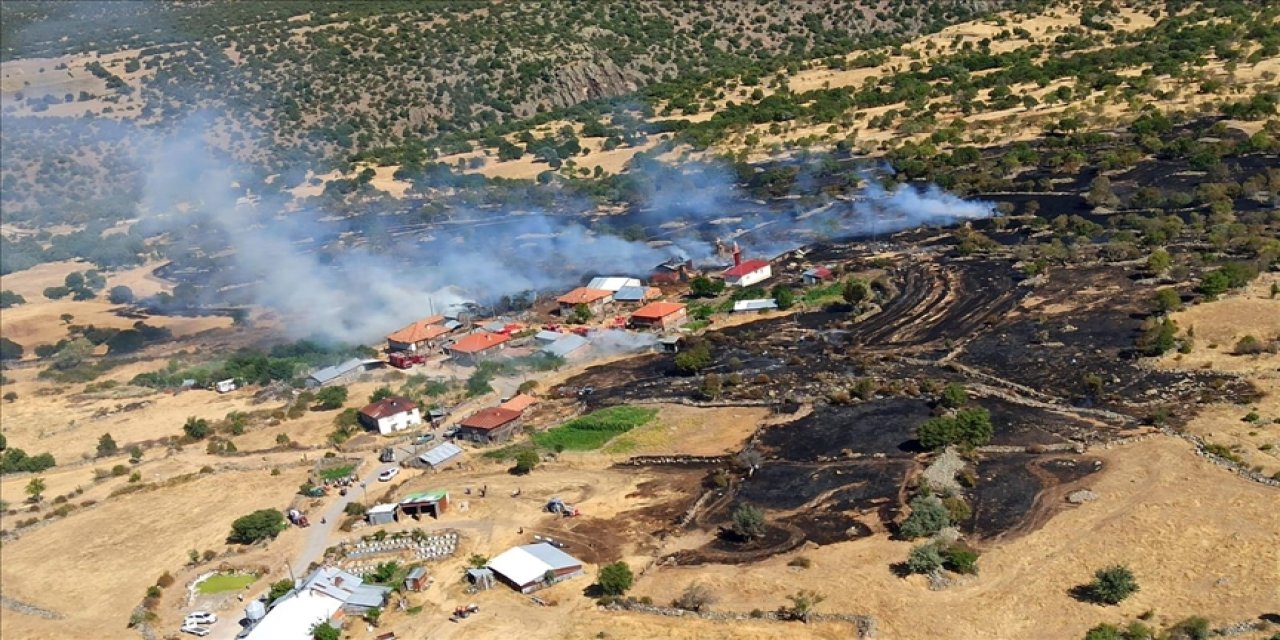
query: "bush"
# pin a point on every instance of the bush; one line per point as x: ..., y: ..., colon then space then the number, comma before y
x: 354, y: 509
x: 1249, y: 345
x: 10, y: 350
x: 526, y: 460
x: 693, y: 358
x: 1111, y: 585
x: 165, y: 581
x: 120, y: 295
x: 107, y: 445
x: 924, y: 558
x: 615, y: 579
x: 1196, y: 628
x: 196, y: 428
x: 961, y: 559
x: 970, y: 427
x: 928, y: 516
x: 954, y: 396
x: 748, y: 521
x: 696, y: 597
x: 260, y: 525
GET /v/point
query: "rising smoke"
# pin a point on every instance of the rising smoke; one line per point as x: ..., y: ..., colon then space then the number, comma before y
x: 357, y: 294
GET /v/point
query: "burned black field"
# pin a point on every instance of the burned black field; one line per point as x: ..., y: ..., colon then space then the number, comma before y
x: 1053, y: 362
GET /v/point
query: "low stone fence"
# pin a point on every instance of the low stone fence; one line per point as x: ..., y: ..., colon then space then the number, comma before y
x: 649, y: 461
x: 865, y: 625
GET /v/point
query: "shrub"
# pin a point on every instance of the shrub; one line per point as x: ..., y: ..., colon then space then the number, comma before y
x: 924, y: 558
x: 695, y: 597
x: 748, y: 521
x: 153, y: 591
x: 954, y: 396
x: 165, y: 580
x: 615, y: 578
x: 801, y: 562
x: 354, y: 509
x: 196, y: 428
x: 970, y: 427
x: 1196, y: 628
x: 259, y: 525
x: 961, y: 559
x: 957, y: 509
x: 1249, y: 345
x: 928, y: 516
x: 278, y: 589
x: 1111, y: 585
x: 1104, y: 632
x: 526, y: 460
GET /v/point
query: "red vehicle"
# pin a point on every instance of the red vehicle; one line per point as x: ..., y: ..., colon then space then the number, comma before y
x: 401, y: 360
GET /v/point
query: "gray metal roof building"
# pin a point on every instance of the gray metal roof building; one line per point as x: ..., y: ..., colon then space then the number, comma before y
x: 566, y: 345
x: 441, y: 454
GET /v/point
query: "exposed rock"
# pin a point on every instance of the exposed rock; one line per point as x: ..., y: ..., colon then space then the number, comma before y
x: 1082, y: 496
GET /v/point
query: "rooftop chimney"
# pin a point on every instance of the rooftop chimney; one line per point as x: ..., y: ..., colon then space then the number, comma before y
x: 737, y: 254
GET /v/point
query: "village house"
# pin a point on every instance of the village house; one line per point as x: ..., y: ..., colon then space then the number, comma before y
x: 673, y: 271
x: 745, y: 273
x: 636, y: 295
x: 530, y: 567
x: 566, y: 345
x: 490, y: 425
x: 418, y: 337
x: 816, y: 275
x: 595, y: 301
x: 391, y: 414
x: 477, y: 346
x: 662, y: 316
x: 520, y: 402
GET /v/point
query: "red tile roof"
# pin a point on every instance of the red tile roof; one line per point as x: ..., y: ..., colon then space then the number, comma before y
x: 478, y: 342
x: 745, y: 268
x: 583, y: 295
x: 519, y: 403
x: 490, y: 418
x: 657, y: 310
x: 427, y: 329
x: 388, y: 406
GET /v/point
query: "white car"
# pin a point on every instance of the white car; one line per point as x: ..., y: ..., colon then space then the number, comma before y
x: 195, y: 631
x: 199, y: 617
x: 387, y: 475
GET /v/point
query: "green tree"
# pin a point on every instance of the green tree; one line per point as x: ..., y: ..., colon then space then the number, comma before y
x: 330, y: 398
x: 526, y: 461
x: 380, y: 393
x: 803, y: 603
x: 954, y: 396
x: 1214, y: 283
x: 969, y: 427
x: 325, y: 631
x: 748, y: 521
x: 120, y: 294
x: 695, y: 357
x: 928, y: 516
x: 784, y: 297
x: 704, y: 287
x: 1100, y: 193
x: 106, y: 445
x: 196, y: 428
x: 1158, y: 337
x: 1105, y: 632
x: 35, y: 489
x: 10, y: 350
x: 278, y: 589
x: 1112, y: 584
x: 711, y: 387
x: 1167, y: 300
x: 615, y: 578
x: 855, y: 291
x: 11, y: 396
x: 1159, y: 261
x: 135, y: 453
x: 260, y: 525
x: 10, y: 299
x: 372, y: 616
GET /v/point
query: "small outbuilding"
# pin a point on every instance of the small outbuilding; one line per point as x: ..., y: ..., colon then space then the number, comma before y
x: 747, y: 273
x: 417, y: 579
x: 521, y: 402
x: 391, y: 414
x: 816, y: 275
x: 595, y: 300
x: 382, y: 513
x: 567, y: 345
x: 225, y: 386
x: 763, y: 304
x: 340, y: 373
x: 612, y: 284
x: 477, y: 346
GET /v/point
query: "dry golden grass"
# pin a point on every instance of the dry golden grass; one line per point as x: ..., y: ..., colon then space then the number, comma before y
x: 691, y: 430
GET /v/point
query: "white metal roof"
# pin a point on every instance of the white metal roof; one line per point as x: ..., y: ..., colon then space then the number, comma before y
x: 548, y: 336
x: 527, y: 564
x: 612, y: 284
x: 440, y: 453
x: 293, y: 617
x: 755, y: 305
x: 383, y: 508
x: 631, y: 293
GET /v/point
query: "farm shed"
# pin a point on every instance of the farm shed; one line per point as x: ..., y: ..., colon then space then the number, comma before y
x: 612, y: 284
x: 530, y: 567
x: 441, y: 455
x: 434, y: 502
x: 660, y: 315
x: 382, y: 513
x: 567, y: 344
x: 637, y: 295
x: 815, y: 275
x: 763, y: 304
x: 486, y: 426
x: 521, y: 402
x: 339, y: 373
x: 417, y: 579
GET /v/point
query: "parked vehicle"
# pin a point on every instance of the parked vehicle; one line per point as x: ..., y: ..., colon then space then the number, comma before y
x: 200, y: 617
x: 405, y: 360
x: 388, y: 455
x: 424, y: 438
x: 387, y: 475
x: 450, y: 432
x: 195, y: 631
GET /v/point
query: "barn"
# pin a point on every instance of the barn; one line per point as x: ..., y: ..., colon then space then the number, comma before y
x: 486, y: 426
x: 530, y: 567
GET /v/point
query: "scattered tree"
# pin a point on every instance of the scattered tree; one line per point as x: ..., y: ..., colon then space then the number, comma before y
x: 1111, y: 585
x: 120, y: 294
x: 10, y: 350
x: 615, y: 579
x: 748, y: 521
x: 928, y: 516
x: 35, y: 489
x: 704, y: 287
x: 278, y: 589
x: 954, y: 396
x: 694, y: 357
x: 196, y: 428
x: 784, y: 297
x: 325, y: 631
x: 526, y: 460
x: 925, y: 558
x: 380, y: 393
x: 1167, y: 300
x: 855, y: 291
x: 330, y: 398
x: 803, y: 603
x: 107, y: 445
x: 968, y: 427
x: 1159, y: 261
x: 696, y: 597
x: 262, y: 524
